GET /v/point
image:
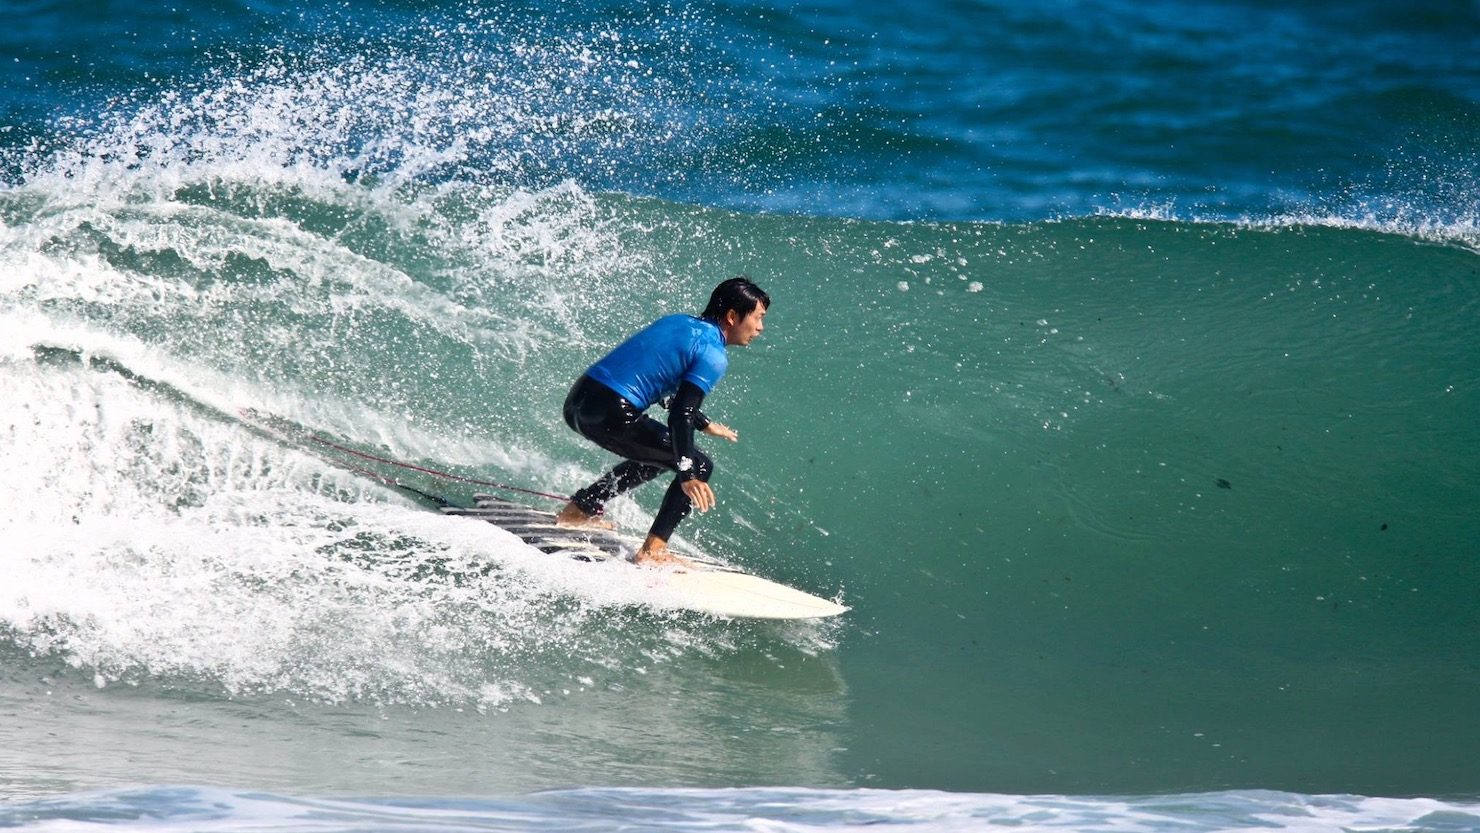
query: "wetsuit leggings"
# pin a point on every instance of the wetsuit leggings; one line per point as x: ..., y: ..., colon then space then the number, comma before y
x: 602, y: 416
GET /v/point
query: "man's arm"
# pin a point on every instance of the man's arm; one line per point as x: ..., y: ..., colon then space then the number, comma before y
x: 683, y: 417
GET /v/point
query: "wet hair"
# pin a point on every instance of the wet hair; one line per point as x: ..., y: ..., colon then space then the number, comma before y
x: 737, y: 294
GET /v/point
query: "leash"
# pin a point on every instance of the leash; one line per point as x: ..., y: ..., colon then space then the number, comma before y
x: 308, y: 436
x: 446, y: 475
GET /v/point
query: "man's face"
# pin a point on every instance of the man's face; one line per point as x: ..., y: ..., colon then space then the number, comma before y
x: 747, y: 327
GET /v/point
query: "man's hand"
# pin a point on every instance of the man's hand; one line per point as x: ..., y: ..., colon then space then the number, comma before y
x: 714, y: 429
x: 699, y: 494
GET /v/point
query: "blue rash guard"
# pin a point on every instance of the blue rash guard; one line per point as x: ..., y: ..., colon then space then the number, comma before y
x: 649, y: 366
x: 678, y: 356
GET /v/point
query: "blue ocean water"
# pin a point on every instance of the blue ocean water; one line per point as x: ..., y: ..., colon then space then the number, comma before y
x: 1121, y: 378
x: 954, y: 111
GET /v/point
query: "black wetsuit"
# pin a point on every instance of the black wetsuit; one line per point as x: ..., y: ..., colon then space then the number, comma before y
x: 679, y: 355
x: 600, y: 415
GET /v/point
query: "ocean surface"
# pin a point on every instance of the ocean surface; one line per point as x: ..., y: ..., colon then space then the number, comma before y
x: 1123, y: 377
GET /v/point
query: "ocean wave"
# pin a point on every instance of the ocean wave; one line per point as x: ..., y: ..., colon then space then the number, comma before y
x: 220, y: 811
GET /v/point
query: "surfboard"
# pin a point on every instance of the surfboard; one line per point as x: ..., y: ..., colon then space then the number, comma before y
x: 709, y: 587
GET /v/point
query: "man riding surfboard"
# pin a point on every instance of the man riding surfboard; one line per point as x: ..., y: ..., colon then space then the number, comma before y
x: 679, y: 358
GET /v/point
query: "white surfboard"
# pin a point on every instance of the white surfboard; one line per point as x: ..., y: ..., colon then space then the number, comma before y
x: 709, y: 587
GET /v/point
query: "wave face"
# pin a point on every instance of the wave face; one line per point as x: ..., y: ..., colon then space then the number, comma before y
x: 1168, y: 492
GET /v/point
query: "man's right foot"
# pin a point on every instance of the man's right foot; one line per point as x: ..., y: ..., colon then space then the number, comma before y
x: 573, y: 515
x: 660, y: 557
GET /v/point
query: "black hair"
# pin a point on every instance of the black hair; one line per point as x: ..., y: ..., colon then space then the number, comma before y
x: 737, y: 294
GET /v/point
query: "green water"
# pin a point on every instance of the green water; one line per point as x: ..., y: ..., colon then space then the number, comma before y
x: 1119, y: 504
x: 1160, y: 504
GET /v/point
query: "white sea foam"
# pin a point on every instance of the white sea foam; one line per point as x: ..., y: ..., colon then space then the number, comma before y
x: 744, y: 810
x: 151, y: 285
x: 150, y: 536
x: 1462, y: 229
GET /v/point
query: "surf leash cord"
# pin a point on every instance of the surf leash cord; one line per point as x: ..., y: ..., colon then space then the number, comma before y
x: 305, y: 435
x: 446, y: 475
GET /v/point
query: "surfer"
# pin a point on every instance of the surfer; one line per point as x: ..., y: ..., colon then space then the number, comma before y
x: 677, y: 359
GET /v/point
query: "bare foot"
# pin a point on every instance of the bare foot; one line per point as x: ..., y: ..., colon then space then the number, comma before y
x: 659, y: 557
x: 573, y: 515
